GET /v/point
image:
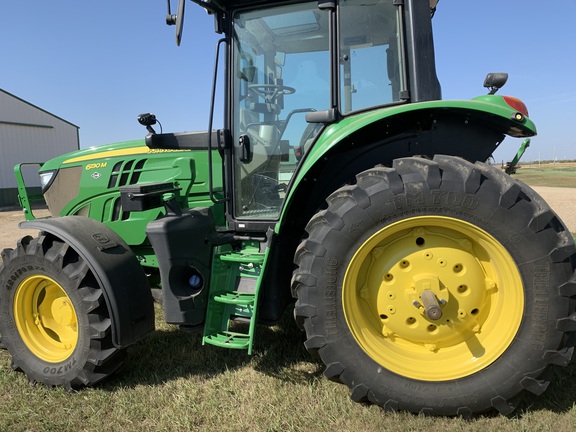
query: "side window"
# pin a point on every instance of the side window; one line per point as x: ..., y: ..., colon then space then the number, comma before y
x: 369, y: 63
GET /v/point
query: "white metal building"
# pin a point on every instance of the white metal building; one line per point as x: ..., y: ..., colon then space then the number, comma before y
x: 29, y: 134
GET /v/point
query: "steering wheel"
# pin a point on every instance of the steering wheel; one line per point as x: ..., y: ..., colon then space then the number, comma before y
x: 271, y: 91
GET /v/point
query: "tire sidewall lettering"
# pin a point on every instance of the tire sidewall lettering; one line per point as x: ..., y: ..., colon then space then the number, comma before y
x: 61, y: 369
x: 436, y: 197
x: 17, y: 275
x: 331, y: 294
x: 435, y: 202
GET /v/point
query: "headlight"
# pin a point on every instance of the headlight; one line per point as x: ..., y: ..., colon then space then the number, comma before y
x: 46, y: 178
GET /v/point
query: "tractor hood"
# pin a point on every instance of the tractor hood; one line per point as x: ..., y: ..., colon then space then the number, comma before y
x: 87, y: 182
x: 92, y: 154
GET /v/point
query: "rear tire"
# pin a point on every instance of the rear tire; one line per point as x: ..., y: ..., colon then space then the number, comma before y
x: 53, y: 317
x: 495, y: 258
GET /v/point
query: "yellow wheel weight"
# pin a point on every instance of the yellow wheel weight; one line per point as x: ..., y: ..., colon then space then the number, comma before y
x: 433, y: 298
x: 45, y: 318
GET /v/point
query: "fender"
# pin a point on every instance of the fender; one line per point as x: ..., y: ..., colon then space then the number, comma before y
x: 433, y: 127
x: 490, y: 110
x: 115, y: 267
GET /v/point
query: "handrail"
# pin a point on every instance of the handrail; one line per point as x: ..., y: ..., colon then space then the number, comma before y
x: 23, y: 197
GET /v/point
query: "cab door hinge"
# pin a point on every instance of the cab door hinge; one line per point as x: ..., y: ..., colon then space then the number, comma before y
x: 224, y: 139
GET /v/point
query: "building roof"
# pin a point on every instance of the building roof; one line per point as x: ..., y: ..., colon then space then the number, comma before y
x: 38, y: 108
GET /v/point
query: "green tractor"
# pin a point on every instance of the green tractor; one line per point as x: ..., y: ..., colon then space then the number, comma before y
x: 424, y: 279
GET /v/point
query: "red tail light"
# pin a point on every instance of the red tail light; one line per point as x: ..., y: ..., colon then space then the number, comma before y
x: 517, y: 104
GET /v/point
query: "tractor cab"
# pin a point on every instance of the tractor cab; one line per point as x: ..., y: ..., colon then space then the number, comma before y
x: 282, y: 73
x: 296, y: 67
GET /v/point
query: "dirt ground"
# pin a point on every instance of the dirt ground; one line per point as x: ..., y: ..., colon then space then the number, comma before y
x: 9, y: 231
x: 562, y: 200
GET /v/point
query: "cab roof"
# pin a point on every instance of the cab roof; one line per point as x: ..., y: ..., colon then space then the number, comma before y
x: 226, y: 5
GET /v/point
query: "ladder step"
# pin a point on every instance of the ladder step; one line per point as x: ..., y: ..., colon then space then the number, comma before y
x: 233, y: 297
x: 228, y: 339
x: 246, y: 257
x: 236, y: 298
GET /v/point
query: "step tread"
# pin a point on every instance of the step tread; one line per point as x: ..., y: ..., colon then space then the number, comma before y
x: 235, y: 297
x: 243, y: 257
x: 228, y: 339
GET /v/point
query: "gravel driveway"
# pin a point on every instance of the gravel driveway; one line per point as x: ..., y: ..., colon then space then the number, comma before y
x: 562, y: 200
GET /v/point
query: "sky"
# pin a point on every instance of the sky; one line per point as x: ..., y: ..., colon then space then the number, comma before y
x: 100, y: 64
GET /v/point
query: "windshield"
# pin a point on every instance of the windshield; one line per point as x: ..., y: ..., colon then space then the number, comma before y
x: 282, y: 72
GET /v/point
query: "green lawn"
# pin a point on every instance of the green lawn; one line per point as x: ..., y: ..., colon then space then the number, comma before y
x: 170, y: 382
x: 548, y: 176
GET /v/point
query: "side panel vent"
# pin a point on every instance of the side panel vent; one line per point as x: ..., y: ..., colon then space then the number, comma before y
x: 126, y: 173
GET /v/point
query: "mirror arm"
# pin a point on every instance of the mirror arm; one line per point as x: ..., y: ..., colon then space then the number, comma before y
x: 170, y: 18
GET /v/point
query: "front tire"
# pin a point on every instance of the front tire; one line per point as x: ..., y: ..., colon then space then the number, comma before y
x: 482, y: 252
x: 53, y: 317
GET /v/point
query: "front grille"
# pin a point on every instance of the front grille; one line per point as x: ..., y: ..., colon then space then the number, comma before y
x: 63, y: 189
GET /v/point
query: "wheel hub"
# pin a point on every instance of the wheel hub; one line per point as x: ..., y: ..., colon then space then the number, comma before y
x: 45, y: 318
x: 63, y: 312
x: 431, y: 295
x: 423, y: 297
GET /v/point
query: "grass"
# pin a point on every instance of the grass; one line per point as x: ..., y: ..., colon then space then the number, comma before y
x: 172, y: 383
x: 547, y: 176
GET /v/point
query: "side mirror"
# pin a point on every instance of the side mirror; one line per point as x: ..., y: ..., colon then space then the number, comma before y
x: 495, y: 81
x: 177, y: 19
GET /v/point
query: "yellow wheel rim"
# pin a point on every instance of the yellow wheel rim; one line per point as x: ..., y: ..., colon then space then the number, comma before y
x: 471, y: 275
x: 45, y: 318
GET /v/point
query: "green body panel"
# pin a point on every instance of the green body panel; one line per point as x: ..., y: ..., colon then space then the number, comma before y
x: 94, y: 176
x: 502, y: 116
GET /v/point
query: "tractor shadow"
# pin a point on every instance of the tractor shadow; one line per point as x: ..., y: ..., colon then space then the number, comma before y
x: 171, y: 354
x: 168, y: 355
x: 559, y: 397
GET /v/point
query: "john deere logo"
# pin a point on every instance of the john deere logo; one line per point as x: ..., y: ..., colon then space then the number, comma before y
x: 100, y: 238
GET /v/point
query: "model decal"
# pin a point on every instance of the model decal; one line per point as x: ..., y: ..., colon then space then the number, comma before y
x: 96, y: 165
